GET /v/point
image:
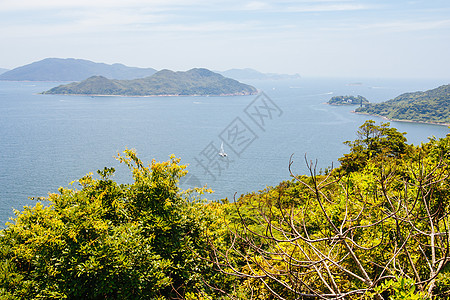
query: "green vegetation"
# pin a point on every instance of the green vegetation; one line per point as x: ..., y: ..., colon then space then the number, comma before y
x: 430, y: 106
x: 193, y: 82
x: 138, y: 241
x: 375, y: 229
x: 348, y: 100
x: 373, y: 141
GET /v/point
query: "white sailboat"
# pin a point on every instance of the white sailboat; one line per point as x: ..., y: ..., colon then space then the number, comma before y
x: 222, y: 152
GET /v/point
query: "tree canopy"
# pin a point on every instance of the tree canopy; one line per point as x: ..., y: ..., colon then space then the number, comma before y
x: 107, y: 240
x: 372, y: 141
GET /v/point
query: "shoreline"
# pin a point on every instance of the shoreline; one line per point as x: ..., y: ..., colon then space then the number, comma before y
x: 399, y: 120
x: 332, y: 104
x: 148, y: 96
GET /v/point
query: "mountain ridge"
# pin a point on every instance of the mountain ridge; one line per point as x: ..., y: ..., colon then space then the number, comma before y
x: 71, y: 69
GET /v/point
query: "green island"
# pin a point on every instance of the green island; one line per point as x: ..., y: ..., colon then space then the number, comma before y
x: 377, y: 227
x: 348, y: 100
x: 432, y: 106
x: 201, y: 82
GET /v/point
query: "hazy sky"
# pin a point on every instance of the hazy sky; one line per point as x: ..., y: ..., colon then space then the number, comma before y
x: 346, y: 38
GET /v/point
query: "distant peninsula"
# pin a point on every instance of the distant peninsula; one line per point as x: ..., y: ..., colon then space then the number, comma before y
x: 195, y: 82
x: 71, y: 69
x: 251, y: 74
x: 348, y: 100
x: 432, y: 106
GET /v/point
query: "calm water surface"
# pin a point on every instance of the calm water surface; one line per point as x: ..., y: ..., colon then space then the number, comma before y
x: 47, y: 141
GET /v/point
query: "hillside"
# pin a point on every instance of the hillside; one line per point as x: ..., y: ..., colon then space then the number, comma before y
x: 348, y: 100
x: 163, y: 83
x: 3, y: 70
x: 432, y: 106
x: 70, y: 69
x: 245, y: 74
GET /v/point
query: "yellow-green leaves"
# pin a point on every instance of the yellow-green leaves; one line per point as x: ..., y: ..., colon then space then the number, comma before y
x: 135, y: 241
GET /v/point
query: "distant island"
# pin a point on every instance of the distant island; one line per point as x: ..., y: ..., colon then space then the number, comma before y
x: 3, y: 70
x: 201, y: 82
x: 251, y: 74
x: 432, y: 106
x: 348, y: 100
x: 70, y: 69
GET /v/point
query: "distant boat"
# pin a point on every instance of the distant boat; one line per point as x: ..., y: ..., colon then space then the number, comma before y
x: 222, y: 152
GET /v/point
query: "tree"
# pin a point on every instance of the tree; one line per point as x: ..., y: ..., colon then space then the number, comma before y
x: 107, y: 240
x: 373, y: 141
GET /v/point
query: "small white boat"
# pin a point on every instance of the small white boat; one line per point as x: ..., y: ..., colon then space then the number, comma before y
x: 222, y: 152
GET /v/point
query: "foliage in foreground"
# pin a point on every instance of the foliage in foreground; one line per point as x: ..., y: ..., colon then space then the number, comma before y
x: 379, y: 231
x: 137, y: 241
x: 375, y: 228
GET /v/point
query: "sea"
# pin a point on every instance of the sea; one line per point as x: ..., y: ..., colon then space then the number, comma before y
x: 48, y: 141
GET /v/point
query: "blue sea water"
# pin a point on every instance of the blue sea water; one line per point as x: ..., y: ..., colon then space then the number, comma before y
x: 47, y: 141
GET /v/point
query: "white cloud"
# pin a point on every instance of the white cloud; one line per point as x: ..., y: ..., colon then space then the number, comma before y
x: 118, y: 18
x: 285, y: 33
x: 257, y: 5
x: 24, y: 5
x: 387, y: 27
x: 293, y: 6
x: 330, y: 7
x: 401, y: 26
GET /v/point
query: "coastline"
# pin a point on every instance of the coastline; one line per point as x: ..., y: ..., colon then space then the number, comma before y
x: 399, y: 120
x: 162, y: 95
x: 334, y: 104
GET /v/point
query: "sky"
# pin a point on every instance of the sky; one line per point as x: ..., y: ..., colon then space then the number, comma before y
x: 328, y: 38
